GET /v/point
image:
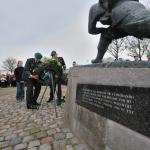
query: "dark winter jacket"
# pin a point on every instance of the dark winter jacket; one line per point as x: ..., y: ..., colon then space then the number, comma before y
x: 18, y: 73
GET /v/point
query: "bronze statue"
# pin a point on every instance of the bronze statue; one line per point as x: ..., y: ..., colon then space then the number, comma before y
x: 124, y: 17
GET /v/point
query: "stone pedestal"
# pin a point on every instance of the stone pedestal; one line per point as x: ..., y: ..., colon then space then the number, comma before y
x: 99, y: 131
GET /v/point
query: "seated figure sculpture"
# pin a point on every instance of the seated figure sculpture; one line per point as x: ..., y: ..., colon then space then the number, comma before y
x: 123, y: 17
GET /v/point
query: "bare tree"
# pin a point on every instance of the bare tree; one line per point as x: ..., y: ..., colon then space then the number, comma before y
x: 9, y: 64
x: 116, y: 47
x: 137, y: 47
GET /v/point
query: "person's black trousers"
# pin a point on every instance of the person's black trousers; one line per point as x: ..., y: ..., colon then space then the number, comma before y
x: 59, y: 91
x: 32, y: 92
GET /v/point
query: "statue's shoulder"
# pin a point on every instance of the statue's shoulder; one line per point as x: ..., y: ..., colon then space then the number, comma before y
x: 113, y: 3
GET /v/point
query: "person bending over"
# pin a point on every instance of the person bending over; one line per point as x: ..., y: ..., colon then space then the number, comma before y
x: 33, y: 86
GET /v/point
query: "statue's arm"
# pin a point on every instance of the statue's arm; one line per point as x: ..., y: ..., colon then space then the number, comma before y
x: 94, y: 16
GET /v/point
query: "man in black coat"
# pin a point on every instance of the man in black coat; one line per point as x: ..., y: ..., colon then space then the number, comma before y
x: 31, y: 79
x: 60, y: 61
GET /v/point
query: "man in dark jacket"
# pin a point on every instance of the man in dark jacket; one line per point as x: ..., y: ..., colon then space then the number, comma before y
x: 58, y: 84
x: 19, y: 81
x: 31, y: 78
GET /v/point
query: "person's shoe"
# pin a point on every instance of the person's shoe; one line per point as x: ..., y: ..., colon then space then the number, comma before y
x: 49, y: 100
x: 32, y: 107
x: 22, y: 99
x: 62, y: 100
x: 36, y: 104
x: 59, y: 103
x: 18, y: 100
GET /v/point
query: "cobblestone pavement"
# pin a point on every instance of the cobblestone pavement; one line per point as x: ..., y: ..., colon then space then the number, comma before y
x: 25, y: 129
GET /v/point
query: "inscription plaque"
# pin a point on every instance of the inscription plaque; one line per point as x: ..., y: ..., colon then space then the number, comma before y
x: 125, y: 105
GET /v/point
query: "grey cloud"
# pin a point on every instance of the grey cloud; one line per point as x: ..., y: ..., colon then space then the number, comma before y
x: 26, y: 21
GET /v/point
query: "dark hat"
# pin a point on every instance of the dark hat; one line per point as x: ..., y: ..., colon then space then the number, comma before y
x: 38, y: 55
x: 53, y: 53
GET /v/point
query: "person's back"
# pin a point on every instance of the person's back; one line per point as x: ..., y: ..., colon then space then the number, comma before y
x: 28, y: 68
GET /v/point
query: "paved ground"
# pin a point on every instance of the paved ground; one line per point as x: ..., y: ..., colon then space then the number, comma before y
x: 25, y: 129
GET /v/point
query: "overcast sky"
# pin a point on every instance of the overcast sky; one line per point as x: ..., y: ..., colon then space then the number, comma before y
x: 29, y: 26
